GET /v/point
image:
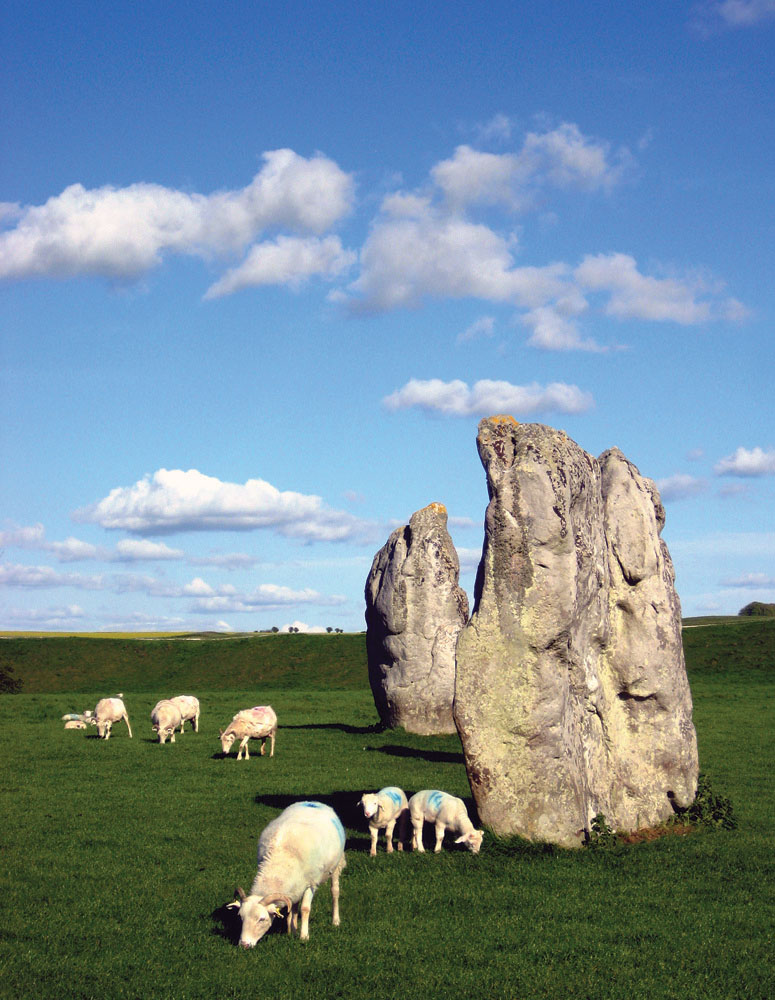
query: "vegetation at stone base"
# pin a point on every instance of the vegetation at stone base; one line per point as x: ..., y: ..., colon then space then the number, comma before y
x: 117, y: 858
x: 758, y: 609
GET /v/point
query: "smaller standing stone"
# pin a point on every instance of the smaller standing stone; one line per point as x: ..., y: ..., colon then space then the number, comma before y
x: 415, y: 610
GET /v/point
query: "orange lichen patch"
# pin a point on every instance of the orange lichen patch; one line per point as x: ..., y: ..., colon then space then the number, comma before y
x: 644, y: 836
x: 436, y: 508
x: 503, y: 418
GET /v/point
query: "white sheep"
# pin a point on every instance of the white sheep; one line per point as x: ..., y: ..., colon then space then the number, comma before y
x: 165, y: 718
x: 259, y: 723
x: 188, y: 706
x: 384, y: 809
x: 108, y: 711
x: 298, y: 851
x: 75, y: 724
x: 448, y: 813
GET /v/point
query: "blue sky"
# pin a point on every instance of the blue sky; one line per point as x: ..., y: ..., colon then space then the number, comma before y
x: 263, y: 271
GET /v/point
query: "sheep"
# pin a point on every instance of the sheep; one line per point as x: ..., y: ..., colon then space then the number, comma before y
x: 448, y: 813
x: 189, y: 710
x: 252, y: 723
x: 297, y: 852
x: 165, y: 718
x: 75, y: 724
x: 108, y: 711
x: 383, y: 809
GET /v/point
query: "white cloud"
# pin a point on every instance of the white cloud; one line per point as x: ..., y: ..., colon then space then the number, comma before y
x: 142, y: 550
x: 555, y: 331
x: 288, y: 260
x: 302, y: 627
x: 33, y: 577
x: 482, y: 327
x: 265, y: 596
x: 743, y: 462
x: 229, y: 560
x: 428, y: 253
x: 62, y: 617
x: 638, y: 296
x: 487, y: 397
x: 173, y: 500
x: 680, y: 486
x: 751, y: 581
x: 23, y: 537
x: 123, y: 232
x: 562, y: 157
x: 743, y: 13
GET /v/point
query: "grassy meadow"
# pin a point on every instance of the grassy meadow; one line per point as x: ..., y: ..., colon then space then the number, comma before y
x: 117, y: 858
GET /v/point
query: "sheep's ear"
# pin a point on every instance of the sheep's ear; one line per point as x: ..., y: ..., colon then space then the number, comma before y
x: 463, y: 839
x: 273, y: 910
x: 235, y: 905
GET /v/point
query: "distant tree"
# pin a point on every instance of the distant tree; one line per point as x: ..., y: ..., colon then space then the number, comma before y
x: 758, y: 609
x: 329, y: 629
x: 275, y: 628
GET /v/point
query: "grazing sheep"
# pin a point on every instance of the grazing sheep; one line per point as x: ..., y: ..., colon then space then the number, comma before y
x: 108, y: 711
x: 383, y: 809
x: 165, y: 718
x: 297, y: 852
x: 448, y: 813
x: 257, y: 723
x: 75, y: 724
x: 188, y: 706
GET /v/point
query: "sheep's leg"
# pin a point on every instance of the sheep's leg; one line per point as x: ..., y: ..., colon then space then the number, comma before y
x: 107, y: 730
x: 271, y: 749
x: 172, y: 738
x: 243, y: 748
x: 126, y: 719
x: 439, y: 836
x: 335, y: 895
x: 417, y: 837
x: 374, y: 831
x: 196, y: 723
x: 389, y: 835
x: 305, y: 906
x: 263, y: 745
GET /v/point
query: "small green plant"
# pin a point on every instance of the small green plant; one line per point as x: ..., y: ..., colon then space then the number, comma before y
x: 708, y: 808
x: 601, y: 836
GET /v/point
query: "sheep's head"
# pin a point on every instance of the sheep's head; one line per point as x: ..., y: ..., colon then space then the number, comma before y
x: 226, y: 740
x: 257, y: 915
x: 472, y: 840
x: 370, y: 804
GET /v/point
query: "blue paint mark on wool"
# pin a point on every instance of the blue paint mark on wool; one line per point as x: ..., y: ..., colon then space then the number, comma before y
x: 434, y: 800
x: 393, y: 794
x: 313, y: 805
x: 334, y: 819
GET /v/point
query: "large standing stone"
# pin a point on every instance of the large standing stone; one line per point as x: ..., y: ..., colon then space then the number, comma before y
x: 571, y: 690
x: 414, y: 612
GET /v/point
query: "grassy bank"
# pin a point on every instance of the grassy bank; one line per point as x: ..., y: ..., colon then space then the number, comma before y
x: 118, y: 857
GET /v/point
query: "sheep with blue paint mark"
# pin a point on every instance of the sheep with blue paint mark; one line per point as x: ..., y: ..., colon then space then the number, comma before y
x: 298, y: 851
x: 447, y: 812
x: 384, y: 809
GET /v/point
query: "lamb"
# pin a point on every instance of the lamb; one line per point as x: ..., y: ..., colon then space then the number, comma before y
x: 108, y: 711
x: 188, y: 706
x: 448, y: 813
x: 297, y: 852
x: 75, y: 724
x: 257, y: 723
x: 165, y: 718
x: 383, y: 809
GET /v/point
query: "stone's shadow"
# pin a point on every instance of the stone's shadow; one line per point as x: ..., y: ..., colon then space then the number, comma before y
x: 342, y: 727
x: 436, y: 756
x: 344, y: 804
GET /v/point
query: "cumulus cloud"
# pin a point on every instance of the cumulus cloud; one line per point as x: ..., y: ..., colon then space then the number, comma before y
x: 76, y: 550
x: 123, y: 232
x: 633, y: 295
x: 486, y: 397
x: 229, y: 560
x: 555, y: 329
x: 141, y: 550
x: 288, y: 260
x: 745, y: 462
x: 563, y: 157
x: 680, y: 486
x: 302, y: 627
x: 733, y: 13
x: 49, y: 619
x: 173, y: 500
x: 265, y: 596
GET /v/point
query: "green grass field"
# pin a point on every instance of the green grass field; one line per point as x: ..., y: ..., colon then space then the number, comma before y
x: 118, y: 857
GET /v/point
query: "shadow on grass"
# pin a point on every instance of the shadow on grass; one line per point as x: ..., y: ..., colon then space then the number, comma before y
x: 437, y: 756
x: 344, y: 804
x: 343, y: 727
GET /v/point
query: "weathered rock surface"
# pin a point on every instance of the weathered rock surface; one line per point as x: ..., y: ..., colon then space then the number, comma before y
x: 415, y: 610
x: 571, y: 691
